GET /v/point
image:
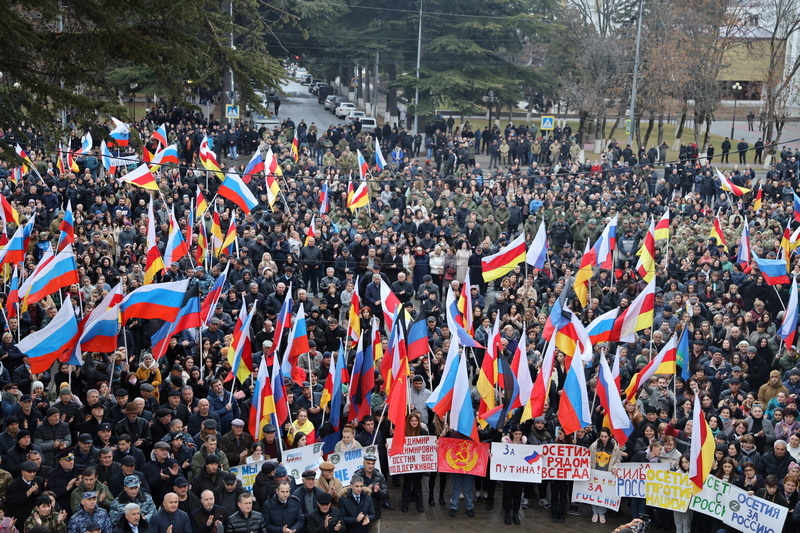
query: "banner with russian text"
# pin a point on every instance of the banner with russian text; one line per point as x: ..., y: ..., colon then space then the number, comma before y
x: 247, y: 474
x: 516, y: 462
x: 419, y: 455
x: 462, y: 456
x: 600, y: 489
x: 737, y: 509
x: 346, y: 463
x: 668, y: 490
x: 299, y: 460
x: 565, y: 461
x: 631, y: 478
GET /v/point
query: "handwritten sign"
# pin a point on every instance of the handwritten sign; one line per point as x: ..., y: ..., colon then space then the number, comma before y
x: 247, y: 474
x: 516, y: 462
x: 600, y: 489
x: 565, y: 461
x: 346, y: 463
x: 734, y: 507
x: 668, y: 490
x: 631, y: 478
x: 299, y: 460
x: 419, y: 455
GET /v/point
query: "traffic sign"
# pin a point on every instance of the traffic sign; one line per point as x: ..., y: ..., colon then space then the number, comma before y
x: 231, y: 111
x: 548, y: 123
x: 354, y: 82
x: 627, y: 126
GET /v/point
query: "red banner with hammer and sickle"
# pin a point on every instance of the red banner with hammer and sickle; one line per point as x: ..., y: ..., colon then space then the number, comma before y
x: 460, y: 456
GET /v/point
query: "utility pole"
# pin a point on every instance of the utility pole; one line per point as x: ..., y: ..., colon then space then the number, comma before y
x: 375, y: 84
x: 419, y: 58
x: 632, y: 130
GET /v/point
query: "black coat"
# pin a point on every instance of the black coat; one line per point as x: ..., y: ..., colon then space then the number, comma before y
x: 315, y: 522
x: 18, y: 504
x: 122, y: 525
x: 351, y: 510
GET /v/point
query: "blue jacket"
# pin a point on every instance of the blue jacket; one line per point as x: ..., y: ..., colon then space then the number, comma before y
x: 218, y: 407
x: 278, y: 514
x: 162, y: 520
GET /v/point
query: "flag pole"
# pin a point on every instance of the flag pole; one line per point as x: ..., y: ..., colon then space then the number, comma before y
x: 779, y: 297
x: 380, y: 421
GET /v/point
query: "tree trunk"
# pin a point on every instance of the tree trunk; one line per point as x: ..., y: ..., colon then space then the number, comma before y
x: 367, y: 92
x: 660, y: 129
x: 583, y: 115
x: 391, y: 92
x: 650, y: 123
x: 620, y: 114
x: 679, y: 132
x: 707, y: 133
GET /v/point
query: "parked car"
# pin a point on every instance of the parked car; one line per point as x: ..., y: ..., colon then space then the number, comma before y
x: 368, y: 124
x: 313, y: 84
x: 301, y: 75
x: 322, y: 92
x: 344, y: 108
x: 328, y: 101
x: 337, y: 101
x: 306, y: 79
x: 353, y: 115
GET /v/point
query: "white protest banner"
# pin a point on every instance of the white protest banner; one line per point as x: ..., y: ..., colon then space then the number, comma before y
x: 346, y: 463
x: 600, y: 490
x: 668, y: 490
x: 565, y: 461
x: 516, y: 462
x: 737, y: 509
x: 419, y: 455
x: 299, y: 460
x: 631, y: 477
x: 247, y: 474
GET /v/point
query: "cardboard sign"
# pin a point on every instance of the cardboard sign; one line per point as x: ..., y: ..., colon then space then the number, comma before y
x: 348, y: 462
x: 419, y: 455
x: 461, y: 456
x: 668, y: 490
x: 516, y: 462
x: 631, y: 478
x: 600, y: 490
x: 299, y: 460
x: 565, y: 461
x: 247, y: 474
x: 734, y: 507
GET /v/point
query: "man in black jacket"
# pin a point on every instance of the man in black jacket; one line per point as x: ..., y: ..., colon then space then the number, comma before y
x: 245, y: 519
x: 325, y: 518
x: 357, y: 507
x: 23, y: 492
x: 283, y: 511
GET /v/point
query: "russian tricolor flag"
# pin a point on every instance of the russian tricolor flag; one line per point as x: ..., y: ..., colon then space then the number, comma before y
x: 57, y: 340
x: 58, y: 273
x: 160, y: 135
x: 213, y: 296
x: 380, y: 161
x: 462, y: 416
x: 441, y: 399
x: 157, y: 300
x: 324, y: 198
x: 573, y: 409
x: 605, y: 328
x: 743, y: 254
x: 604, y: 247
x: 255, y: 166
x: 788, y: 327
x: 176, y: 247
x: 67, y: 228
x: 121, y: 133
x: 188, y: 318
x: 235, y: 190
x: 99, y: 330
x: 537, y: 251
x: 773, y: 270
x: 298, y: 344
x: 609, y: 397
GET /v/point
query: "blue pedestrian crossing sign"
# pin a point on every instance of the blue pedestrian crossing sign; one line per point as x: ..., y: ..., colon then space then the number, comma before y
x: 548, y: 123
x: 231, y: 111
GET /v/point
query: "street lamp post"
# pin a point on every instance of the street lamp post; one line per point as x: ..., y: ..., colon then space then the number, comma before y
x: 736, y: 88
x: 489, y: 100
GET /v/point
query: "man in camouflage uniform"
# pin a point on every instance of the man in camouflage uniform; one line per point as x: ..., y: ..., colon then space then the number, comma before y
x: 88, y: 512
x: 132, y: 494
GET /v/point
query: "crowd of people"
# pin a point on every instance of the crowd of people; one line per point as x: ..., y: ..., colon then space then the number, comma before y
x: 126, y: 442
